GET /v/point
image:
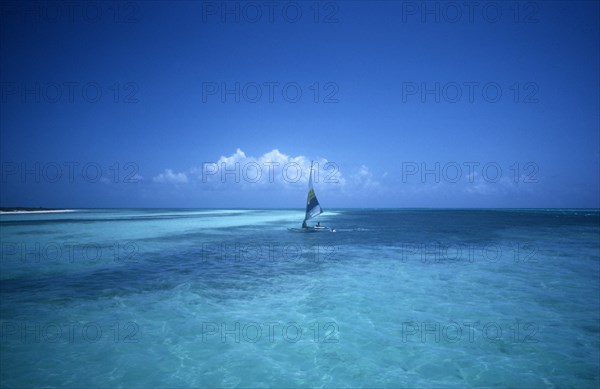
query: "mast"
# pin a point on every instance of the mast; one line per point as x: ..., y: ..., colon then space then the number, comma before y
x: 313, y: 208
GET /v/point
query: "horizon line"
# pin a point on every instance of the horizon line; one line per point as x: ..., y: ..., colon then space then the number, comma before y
x: 33, y: 209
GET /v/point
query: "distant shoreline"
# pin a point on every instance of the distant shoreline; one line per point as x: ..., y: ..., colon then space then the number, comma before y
x: 16, y: 210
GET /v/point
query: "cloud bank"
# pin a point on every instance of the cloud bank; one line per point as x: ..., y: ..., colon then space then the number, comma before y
x: 272, y: 170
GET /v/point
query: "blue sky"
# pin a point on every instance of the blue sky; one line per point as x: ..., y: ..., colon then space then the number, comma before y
x: 401, y: 104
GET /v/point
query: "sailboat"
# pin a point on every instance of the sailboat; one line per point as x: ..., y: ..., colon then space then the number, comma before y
x: 313, y: 208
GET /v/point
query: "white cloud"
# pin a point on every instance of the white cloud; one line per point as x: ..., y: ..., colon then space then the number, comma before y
x: 363, y: 179
x: 273, y: 168
x: 238, y: 156
x: 169, y: 177
x: 273, y: 171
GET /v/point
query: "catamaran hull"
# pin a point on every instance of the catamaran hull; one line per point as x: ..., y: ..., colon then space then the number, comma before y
x: 311, y: 229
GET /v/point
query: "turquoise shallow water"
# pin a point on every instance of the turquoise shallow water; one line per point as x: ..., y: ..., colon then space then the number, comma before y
x: 230, y: 298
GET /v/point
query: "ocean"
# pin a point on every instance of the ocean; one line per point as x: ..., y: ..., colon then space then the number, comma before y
x: 394, y: 298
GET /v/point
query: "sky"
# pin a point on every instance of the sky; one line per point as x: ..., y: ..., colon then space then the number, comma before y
x: 225, y: 104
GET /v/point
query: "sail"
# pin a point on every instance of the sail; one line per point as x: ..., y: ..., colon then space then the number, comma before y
x: 312, y: 204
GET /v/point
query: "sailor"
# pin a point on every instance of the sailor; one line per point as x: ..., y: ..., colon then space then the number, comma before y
x: 318, y: 224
